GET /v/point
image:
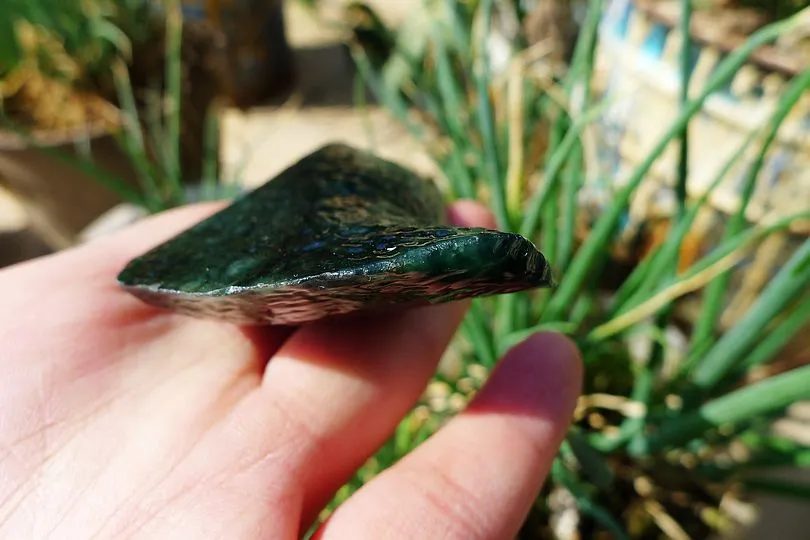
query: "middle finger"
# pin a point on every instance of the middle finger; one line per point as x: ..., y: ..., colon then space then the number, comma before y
x: 344, y: 384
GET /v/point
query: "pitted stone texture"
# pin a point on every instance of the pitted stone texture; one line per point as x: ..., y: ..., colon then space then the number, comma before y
x: 339, y: 231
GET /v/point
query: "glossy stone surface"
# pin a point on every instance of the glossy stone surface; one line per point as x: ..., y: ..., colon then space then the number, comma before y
x: 339, y: 231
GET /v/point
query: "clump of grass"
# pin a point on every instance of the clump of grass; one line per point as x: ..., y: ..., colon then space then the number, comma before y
x: 51, y: 53
x: 52, y: 80
x: 652, y: 447
x: 157, y: 156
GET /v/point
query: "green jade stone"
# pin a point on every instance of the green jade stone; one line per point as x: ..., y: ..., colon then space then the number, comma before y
x: 339, y: 231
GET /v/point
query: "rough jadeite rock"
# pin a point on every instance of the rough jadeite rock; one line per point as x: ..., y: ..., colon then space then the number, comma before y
x: 339, y: 231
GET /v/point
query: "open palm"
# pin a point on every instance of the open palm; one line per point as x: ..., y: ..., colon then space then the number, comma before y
x: 119, y: 421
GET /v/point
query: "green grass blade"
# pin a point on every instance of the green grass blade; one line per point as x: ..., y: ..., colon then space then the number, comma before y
x: 748, y: 237
x: 541, y: 197
x: 486, y: 122
x: 392, y: 99
x: 480, y: 336
x: 594, y: 465
x: 584, y: 307
x: 573, y: 179
x: 578, y: 82
x: 132, y: 137
x: 772, y: 452
x: 713, y: 296
x: 644, y: 384
x: 647, y: 275
x: 210, y: 168
x: 629, y: 290
x: 585, y: 502
x: 505, y: 315
x: 173, y: 98
x: 450, y: 94
x: 791, y: 281
x: 360, y: 103
x: 721, y: 257
x: 630, y: 428
x: 156, y: 134
x: 754, y: 401
x: 459, y: 22
x: 796, y: 321
x: 594, y: 246
x: 447, y: 85
x: 686, y: 78
x: 551, y: 221
x: 582, y: 62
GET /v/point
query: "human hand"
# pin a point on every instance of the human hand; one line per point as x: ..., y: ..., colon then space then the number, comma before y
x: 121, y: 421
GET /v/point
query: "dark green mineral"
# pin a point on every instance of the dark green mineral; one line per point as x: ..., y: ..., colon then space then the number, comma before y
x: 339, y: 231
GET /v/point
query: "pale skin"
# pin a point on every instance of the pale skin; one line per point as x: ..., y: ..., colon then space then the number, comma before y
x: 118, y: 420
